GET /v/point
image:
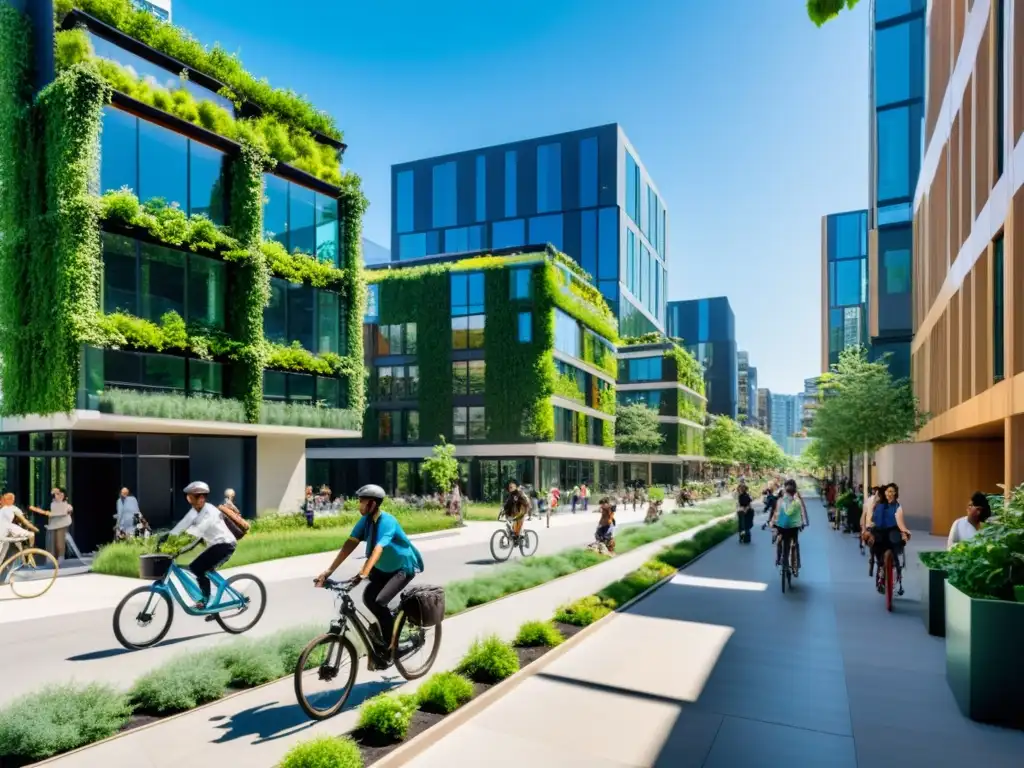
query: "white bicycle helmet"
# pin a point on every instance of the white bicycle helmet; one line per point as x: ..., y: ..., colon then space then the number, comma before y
x: 371, y: 491
x: 198, y: 488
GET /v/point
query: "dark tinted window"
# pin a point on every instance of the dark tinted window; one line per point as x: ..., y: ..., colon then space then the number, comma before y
x: 207, y: 168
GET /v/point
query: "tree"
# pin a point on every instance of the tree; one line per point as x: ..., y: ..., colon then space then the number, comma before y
x: 637, y: 429
x: 758, y: 451
x: 821, y: 11
x: 441, y: 467
x: 722, y: 439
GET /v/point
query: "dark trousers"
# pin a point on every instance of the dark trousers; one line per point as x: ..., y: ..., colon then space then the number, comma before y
x: 380, y: 591
x: 211, y: 559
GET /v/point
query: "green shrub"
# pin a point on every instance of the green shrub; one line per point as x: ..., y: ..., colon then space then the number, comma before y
x: 935, y: 561
x: 636, y: 582
x: 584, y: 611
x: 324, y: 752
x: 252, y: 663
x: 489, y: 660
x: 181, y: 684
x: 535, y: 634
x: 387, y: 716
x: 289, y: 643
x: 444, y: 692
x: 656, y: 493
x: 61, y: 718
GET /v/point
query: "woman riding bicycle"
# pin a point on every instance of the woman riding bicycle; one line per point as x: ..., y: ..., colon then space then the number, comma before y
x: 790, y: 518
x: 886, y: 530
x: 391, y: 559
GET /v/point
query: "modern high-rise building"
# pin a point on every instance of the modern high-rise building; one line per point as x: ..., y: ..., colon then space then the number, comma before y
x: 708, y: 330
x: 897, y: 103
x: 743, y: 386
x: 585, y: 192
x: 968, y: 254
x: 159, y: 8
x: 764, y: 410
x: 844, y: 284
x: 753, y: 410
x: 374, y: 254
x: 810, y: 399
x: 786, y: 418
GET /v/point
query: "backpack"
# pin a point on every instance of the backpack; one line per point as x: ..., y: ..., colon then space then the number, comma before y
x: 234, y: 521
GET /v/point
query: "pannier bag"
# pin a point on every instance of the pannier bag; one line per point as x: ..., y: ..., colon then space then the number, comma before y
x: 424, y: 605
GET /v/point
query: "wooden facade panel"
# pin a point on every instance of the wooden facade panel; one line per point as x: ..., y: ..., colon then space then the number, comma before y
x: 953, y: 356
x: 939, y: 42
x: 982, y: 323
x: 1017, y: 70
x: 966, y: 336
x: 983, y: 118
x: 957, y: 234
x: 959, y: 468
x: 967, y: 162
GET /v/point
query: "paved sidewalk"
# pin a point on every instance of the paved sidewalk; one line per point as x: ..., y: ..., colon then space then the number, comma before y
x: 719, y: 669
x: 258, y: 727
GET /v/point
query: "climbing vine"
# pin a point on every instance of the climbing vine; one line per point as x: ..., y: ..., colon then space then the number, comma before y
x: 352, y: 205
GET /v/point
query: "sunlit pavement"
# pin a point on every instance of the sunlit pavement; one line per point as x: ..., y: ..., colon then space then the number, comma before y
x: 720, y: 669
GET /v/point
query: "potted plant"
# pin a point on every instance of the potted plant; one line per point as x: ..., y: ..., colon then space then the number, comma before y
x: 984, y: 620
x: 934, y: 603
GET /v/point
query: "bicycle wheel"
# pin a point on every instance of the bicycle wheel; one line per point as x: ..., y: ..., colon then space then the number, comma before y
x: 28, y: 580
x: 321, y: 668
x: 152, y: 615
x: 412, y: 642
x: 888, y: 580
x: 501, y: 546
x: 255, y: 595
x: 529, y: 542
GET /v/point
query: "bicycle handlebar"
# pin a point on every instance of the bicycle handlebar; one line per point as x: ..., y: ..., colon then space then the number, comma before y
x: 338, y: 586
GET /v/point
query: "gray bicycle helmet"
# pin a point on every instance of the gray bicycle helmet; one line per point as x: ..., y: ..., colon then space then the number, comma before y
x: 198, y: 488
x: 371, y: 491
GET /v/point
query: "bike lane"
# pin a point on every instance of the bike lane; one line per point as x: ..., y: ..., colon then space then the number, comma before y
x: 719, y: 669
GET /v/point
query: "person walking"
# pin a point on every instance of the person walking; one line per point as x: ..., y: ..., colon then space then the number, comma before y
x: 309, y: 506
x: 455, y: 502
x: 575, y: 495
x: 59, y: 516
x: 584, y: 495
x: 127, y: 509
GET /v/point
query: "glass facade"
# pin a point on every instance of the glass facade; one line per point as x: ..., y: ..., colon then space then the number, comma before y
x: 300, y: 219
x: 847, y: 273
x: 708, y: 330
x: 300, y: 313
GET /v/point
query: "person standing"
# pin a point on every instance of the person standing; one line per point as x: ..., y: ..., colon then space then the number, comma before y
x: 966, y: 527
x: 575, y: 496
x: 584, y: 495
x: 309, y: 506
x: 455, y: 502
x: 60, y: 520
x: 127, y: 509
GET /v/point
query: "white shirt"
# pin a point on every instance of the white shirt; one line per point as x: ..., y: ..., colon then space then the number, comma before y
x: 962, y: 530
x: 207, y: 525
x: 7, y: 516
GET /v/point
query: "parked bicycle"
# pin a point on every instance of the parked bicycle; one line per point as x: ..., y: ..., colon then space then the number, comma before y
x: 504, y: 541
x: 330, y: 660
x: 22, y: 572
x: 237, y: 603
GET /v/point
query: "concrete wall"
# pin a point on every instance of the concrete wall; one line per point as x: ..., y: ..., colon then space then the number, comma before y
x: 280, y: 473
x: 909, y: 465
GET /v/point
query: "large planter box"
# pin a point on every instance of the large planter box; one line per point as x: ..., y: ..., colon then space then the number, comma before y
x: 983, y: 669
x: 933, y: 602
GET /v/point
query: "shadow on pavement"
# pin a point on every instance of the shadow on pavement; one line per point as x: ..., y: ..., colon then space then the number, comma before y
x: 268, y: 722
x: 108, y: 653
x: 483, y: 561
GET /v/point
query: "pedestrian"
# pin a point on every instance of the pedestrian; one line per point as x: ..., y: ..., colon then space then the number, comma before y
x: 964, y: 528
x: 575, y: 495
x: 124, y: 518
x: 455, y: 502
x: 309, y: 506
x: 60, y: 520
x: 584, y: 495
x: 553, y: 498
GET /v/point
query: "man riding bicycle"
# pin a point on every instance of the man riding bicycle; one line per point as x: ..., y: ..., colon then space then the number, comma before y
x: 391, y: 559
x: 515, y: 507
x: 790, y: 518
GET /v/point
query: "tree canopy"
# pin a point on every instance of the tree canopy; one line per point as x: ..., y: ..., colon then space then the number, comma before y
x: 725, y: 440
x: 821, y: 11
x: 636, y: 429
x: 441, y: 466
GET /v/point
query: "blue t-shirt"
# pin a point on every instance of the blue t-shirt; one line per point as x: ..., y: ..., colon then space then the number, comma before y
x: 399, y: 553
x: 884, y: 515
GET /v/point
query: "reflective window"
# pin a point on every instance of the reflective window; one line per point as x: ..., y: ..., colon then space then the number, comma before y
x: 511, y: 186
x: 546, y: 230
x: 481, y: 188
x: 851, y: 235
x: 119, y: 287
x: 205, y: 377
x: 890, y: 9
x: 445, y: 205
x: 897, y: 213
x: 568, y: 338
x: 703, y: 320
x: 386, y: 428
x: 412, y: 246
x: 477, y: 237
x: 275, y: 315
x: 467, y: 293
x: 588, y: 242
x: 894, y: 153
x: 460, y: 423
x: 468, y: 332
x: 549, y: 178
x: 301, y: 315
x: 412, y: 426
x: 632, y: 189
x: 898, y: 62
x: 328, y: 323
x: 275, y: 209
x: 848, y: 282
x: 897, y: 272
x: 520, y: 284
x: 162, y: 275
x: 119, y: 165
x: 404, y: 202
x: 468, y: 377
x: 608, y: 244
x: 163, y: 164
x: 207, y: 169
x: 327, y: 229
x: 477, y: 423
x: 456, y: 240
x: 644, y: 369
x: 508, y: 234
x: 329, y: 392
x: 207, y: 288
x: 412, y: 380
x: 631, y: 261
x: 372, y: 302
x: 301, y: 219
x: 433, y: 242
x: 645, y: 273
x: 525, y: 327
x: 588, y: 172
x: 134, y: 370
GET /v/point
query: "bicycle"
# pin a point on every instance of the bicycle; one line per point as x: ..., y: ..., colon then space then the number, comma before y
x: 229, y: 599
x: 322, y: 660
x: 20, y: 570
x: 790, y: 559
x: 503, y: 542
x: 892, y: 576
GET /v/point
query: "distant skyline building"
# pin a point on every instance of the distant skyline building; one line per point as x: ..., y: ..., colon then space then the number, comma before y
x: 584, y: 192
x: 743, y: 386
x: 786, y: 417
x: 809, y: 400
x: 764, y: 410
x: 844, y: 284
x: 708, y: 330
x: 753, y: 412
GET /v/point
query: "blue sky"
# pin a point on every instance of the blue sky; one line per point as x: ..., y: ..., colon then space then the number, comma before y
x: 752, y: 122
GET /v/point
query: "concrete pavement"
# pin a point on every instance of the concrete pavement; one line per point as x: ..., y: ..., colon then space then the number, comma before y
x: 258, y: 727
x: 719, y: 669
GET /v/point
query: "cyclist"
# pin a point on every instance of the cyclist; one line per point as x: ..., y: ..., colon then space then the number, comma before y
x: 515, y: 507
x: 14, y: 526
x: 204, y: 521
x: 392, y: 561
x: 887, y: 531
x: 790, y: 518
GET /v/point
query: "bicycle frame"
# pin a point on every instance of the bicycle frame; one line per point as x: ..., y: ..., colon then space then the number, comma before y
x: 217, y: 604
x: 349, y: 612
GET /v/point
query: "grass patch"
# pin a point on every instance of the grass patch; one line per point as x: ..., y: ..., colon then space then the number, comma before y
x: 585, y: 611
x: 632, y: 584
x: 637, y: 536
x: 538, y: 634
x: 324, y: 752
x: 481, y: 513
x: 444, y: 692
x: 250, y: 664
x: 57, y: 719
x: 489, y: 660
x: 387, y: 716
x: 182, y: 684
x: 122, y: 558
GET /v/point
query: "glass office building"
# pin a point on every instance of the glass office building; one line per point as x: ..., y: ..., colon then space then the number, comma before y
x: 708, y: 330
x: 584, y: 192
x: 897, y: 102
x: 844, y: 282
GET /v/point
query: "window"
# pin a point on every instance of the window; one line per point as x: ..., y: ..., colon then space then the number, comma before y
x: 386, y: 426
x: 520, y: 284
x: 508, y: 234
x: 608, y: 244
x: 1000, y: 86
x: 468, y: 423
x: 163, y: 280
x: 456, y: 240
x: 396, y: 339
x: 275, y: 209
x: 301, y: 327
x: 632, y: 189
x: 468, y: 332
x: 898, y: 61
x: 645, y: 273
x: 372, y: 303
x: 119, y: 166
x: 205, y: 377
x: 328, y: 323
x: 445, y: 208
x: 135, y: 370
x: 481, y: 188
x: 468, y: 377
x: 385, y: 382
x: 467, y: 289
x: 546, y: 229
x: 207, y: 167
x: 588, y: 172
x: 412, y: 246
x: 412, y: 426
x: 897, y: 272
x: 997, y: 309
x: 525, y: 327
x: 119, y: 287
x: 207, y: 287
x: 163, y: 164
x: 849, y: 234
x: 644, y: 369
x: 549, y: 180
x: 703, y: 320
x: 897, y: 213
x: 568, y: 338
x: 511, y: 186
x: 477, y: 424
x: 327, y: 229
x: 848, y: 282
x: 631, y: 261
x: 404, y: 201
x: 893, y: 154
x: 301, y: 219
x: 310, y: 316
x: 588, y: 242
